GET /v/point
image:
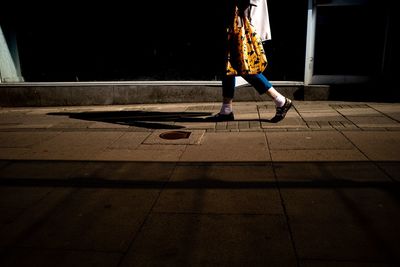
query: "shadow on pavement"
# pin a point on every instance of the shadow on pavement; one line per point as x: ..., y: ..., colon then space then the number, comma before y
x: 115, y: 174
x: 143, y: 119
x: 193, y: 184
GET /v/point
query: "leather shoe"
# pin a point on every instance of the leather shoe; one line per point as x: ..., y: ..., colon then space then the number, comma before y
x: 281, y: 111
x: 221, y: 117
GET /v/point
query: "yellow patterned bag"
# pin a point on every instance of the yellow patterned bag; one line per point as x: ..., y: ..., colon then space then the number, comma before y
x: 245, y: 52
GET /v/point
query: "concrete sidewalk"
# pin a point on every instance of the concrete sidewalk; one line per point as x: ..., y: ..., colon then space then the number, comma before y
x: 98, y: 186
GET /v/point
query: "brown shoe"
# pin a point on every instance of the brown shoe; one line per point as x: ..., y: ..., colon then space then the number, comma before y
x: 281, y: 111
x: 221, y: 117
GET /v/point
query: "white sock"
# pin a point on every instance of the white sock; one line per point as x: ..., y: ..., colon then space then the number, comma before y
x: 277, y: 97
x: 226, y: 109
x: 280, y: 101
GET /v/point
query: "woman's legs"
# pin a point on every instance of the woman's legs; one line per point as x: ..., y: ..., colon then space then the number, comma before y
x: 228, y: 92
x: 262, y: 85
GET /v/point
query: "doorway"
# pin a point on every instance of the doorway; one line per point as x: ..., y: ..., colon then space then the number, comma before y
x: 346, y: 41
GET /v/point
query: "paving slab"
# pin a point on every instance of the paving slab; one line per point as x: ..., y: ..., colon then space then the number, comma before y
x: 74, y: 145
x: 291, y: 173
x: 221, y: 188
x: 230, y: 146
x: 324, y: 263
x: 392, y: 169
x: 308, y: 140
x: 377, y: 145
x: 22, y: 257
x: 289, y: 122
x: 390, y: 110
x: 13, y: 153
x: 152, y: 175
x: 38, y: 169
x: 313, y: 190
x: 8, y: 215
x: 27, y: 196
x: 373, y: 121
x: 317, y: 155
x: 21, y: 226
x: 24, y: 139
x: 93, y: 219
x: 107, y: 125
x: 144, y: 153
x: 322, y: 116
x: 196, y: 125
x: 341, y: 224
x: 129, y: 140
x: 212, y: 240
x: 73, y: 124
x: 358, y: 111
x: 4, y: 163
x: 317, y: 106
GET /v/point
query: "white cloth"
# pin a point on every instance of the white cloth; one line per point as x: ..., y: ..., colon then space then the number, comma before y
x: 259, y: 18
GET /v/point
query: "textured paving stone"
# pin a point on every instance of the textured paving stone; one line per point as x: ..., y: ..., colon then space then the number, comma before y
x: 339, y: 172
x: 379, y: 146
x: 212, y: 240
x: 107, y: 125
x: 63, y: 258
x: 342, y: 224
x: 30, y: 217
x: 142, y: 154
x: 147, y: 172
x: 27, y: 196
x: 74, y: 145
x: 4, y: 163
x: 325, y: 263
x: 322, y: 116
x: 221, y: 188
x: 129, y: 140
x: 373, y: 122
x: 288, y: 122
x: 358, y: 111
x: 34, y: 169
x: 93, y: 219
x: 24, y: 139
x: 239, y: 146
x: 308, y: 141
x: 14, y: 153
x: 244, y: 195
x: 318, y: 155
x: 391, y: 168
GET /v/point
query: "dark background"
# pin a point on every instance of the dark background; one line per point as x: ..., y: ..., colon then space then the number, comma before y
x: 156, y: 40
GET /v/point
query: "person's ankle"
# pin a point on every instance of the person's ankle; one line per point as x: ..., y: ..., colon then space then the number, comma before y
x: 280, y: 101
x: 226, y: 109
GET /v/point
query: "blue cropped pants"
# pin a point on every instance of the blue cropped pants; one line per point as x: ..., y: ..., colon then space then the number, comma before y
x: 258, y: 81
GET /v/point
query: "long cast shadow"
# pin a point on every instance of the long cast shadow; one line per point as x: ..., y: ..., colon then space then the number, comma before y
x: 324, y: 179
x: 137, y: 118
x: 193, y: 184
x: 145, y: 119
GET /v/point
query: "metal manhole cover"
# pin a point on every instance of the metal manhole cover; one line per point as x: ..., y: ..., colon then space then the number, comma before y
x: 173, y: 135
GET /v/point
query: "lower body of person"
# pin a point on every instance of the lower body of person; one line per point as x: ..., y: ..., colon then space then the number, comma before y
x: 262, y: 85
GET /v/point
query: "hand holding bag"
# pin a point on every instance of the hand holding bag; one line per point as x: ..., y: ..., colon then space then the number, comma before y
x: 245, y: 52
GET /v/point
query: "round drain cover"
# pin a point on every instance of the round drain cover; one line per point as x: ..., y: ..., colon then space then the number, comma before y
x: 175, y: 135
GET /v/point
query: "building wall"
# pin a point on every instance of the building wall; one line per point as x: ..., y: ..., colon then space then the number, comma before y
x: 155, y: 40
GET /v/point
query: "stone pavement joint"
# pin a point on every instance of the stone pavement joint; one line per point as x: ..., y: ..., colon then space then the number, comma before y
x: 97, y: 186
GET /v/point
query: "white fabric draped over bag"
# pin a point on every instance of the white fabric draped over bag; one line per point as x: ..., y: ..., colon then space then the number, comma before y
x: 259, y: 18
